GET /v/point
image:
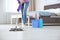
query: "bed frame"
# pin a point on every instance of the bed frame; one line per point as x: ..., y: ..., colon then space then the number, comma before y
x: 53, y: 6
x: 51, y: 21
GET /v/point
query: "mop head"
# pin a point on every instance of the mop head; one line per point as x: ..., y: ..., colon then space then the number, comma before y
x: 16, y: 29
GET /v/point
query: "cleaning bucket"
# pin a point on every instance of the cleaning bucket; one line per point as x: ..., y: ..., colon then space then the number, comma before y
x: 35, y: 23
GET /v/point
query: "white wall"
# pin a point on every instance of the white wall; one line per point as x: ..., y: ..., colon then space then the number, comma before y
x: 11, y: 5
x: 39, y: 5
x: 49, y: 2
x: 2, y: 14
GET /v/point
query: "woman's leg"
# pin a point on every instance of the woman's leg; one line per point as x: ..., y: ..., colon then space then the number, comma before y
x: 25, y: 11
x: 22, y: 8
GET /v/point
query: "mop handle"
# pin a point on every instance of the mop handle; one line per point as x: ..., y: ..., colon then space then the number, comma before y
x: 16, y: 21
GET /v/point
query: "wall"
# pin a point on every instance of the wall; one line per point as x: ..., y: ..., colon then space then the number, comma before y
x: 39, y: 5
x: 2, y: 14
x: 49, y: 2
x: 11, y: 5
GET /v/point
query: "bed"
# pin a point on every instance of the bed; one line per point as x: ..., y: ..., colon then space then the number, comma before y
x: 54, y: 14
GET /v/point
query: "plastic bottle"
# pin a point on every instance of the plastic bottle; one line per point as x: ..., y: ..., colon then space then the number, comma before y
x: 41, y: 23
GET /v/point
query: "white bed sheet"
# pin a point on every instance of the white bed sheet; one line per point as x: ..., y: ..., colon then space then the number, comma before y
x: 56, y: 11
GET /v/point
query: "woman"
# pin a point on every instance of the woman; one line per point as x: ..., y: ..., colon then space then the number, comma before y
x: 23, y: 5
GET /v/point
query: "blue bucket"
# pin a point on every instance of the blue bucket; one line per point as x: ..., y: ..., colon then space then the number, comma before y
x: 35, y: 23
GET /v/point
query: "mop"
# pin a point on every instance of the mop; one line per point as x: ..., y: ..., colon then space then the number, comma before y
x: 16, y: 27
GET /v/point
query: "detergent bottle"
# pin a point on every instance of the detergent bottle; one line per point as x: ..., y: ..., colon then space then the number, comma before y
x: 41, y: 23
